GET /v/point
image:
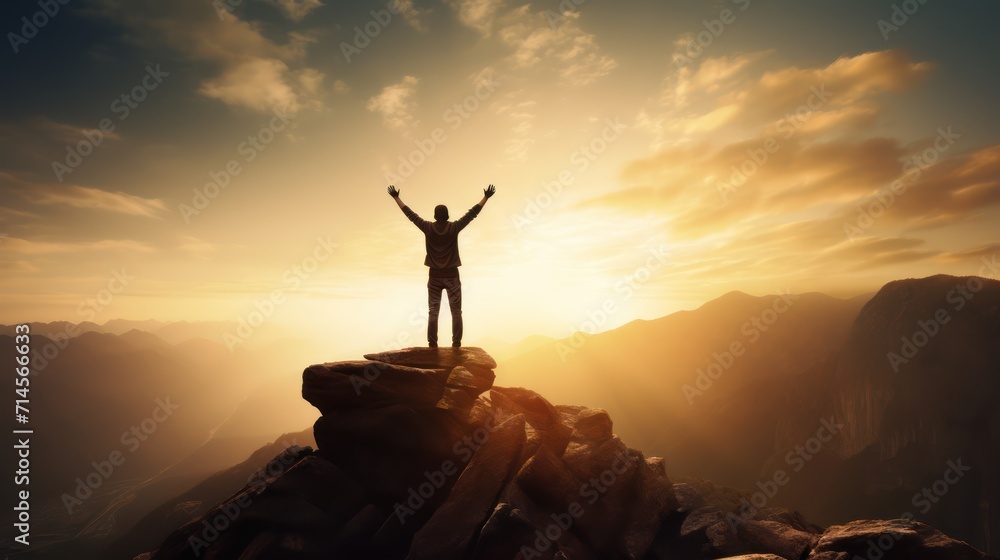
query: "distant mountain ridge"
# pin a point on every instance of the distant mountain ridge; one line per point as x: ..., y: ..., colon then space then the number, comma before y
x: 172, y: 332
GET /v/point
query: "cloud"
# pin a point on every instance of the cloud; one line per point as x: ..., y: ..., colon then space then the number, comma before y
x: 29, y: 143
x: 980, y: 252
x: 536, y: 38
x: 297, y: 10
x: 197, y: 248
x: 522, y: 112
x: 959, y: 189
x: 411, y: 13
x: 254, y: 72
x: 6, y: 214
x: 795, y: 153
x: 477, y: 14
x: 395, y: 103
x: 341, y: 87
x: 44, y: 127
x: 517, y: 149
x: 256, y: 83
x: 783, y: 210
x: 97, y: 199
x: 734, y: 93
x: 33, y: 247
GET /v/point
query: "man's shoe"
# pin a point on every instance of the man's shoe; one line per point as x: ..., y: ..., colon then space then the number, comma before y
x: 433, y: 345
x: 456, y: 344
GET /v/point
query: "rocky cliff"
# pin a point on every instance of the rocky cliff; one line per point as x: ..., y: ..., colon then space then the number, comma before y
x: 919, y: 367
x: 420, y: 457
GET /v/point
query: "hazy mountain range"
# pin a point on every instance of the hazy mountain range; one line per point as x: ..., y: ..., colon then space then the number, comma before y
x: 733, y: 391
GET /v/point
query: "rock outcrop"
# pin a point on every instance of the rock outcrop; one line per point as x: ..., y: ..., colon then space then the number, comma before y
x: 417, y: 461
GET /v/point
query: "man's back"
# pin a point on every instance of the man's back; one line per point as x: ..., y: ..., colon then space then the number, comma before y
x: 441, y: 237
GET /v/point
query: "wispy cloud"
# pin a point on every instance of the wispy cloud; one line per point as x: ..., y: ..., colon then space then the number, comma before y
x: 297, y: 10
x: 564, y: 46
x: 97, y: 199
x: 412, y: 14
x: 477, y: 14
x: 537, y: 38
x: 37, y: 247
x: 396, y: 105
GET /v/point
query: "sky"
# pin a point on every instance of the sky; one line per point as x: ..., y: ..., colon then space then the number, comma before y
x: 228, y: 160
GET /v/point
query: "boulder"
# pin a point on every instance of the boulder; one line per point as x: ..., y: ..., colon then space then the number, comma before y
x: 592, y: 424
x: 776, y: 538
x: 544, y: 421
x: 896, y: 539
x: 336, y: 386
x: 450, y: 532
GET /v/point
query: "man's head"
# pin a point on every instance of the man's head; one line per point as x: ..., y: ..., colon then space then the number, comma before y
x: 441, y: 213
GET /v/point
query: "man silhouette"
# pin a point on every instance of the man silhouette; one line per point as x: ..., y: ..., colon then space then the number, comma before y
x: 441, y: 239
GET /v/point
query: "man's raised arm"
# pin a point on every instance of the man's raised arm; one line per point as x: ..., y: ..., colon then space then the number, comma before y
x: 474, y: 211
x: 413, y: 217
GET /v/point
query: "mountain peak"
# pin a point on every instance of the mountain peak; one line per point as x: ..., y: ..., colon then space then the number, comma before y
x: 415, y: 462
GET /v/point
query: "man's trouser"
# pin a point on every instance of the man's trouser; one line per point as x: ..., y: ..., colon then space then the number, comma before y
x: 454, y: 288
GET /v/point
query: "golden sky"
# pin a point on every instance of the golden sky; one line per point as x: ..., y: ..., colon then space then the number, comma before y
x: 648, y: 157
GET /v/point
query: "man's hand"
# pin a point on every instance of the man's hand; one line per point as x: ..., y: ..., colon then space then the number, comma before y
x: 487, y: 193
x: 394, y: 193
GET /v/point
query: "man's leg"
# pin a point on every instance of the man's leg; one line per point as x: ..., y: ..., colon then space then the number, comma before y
x: 434, y: 287
x: 454, y: 288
